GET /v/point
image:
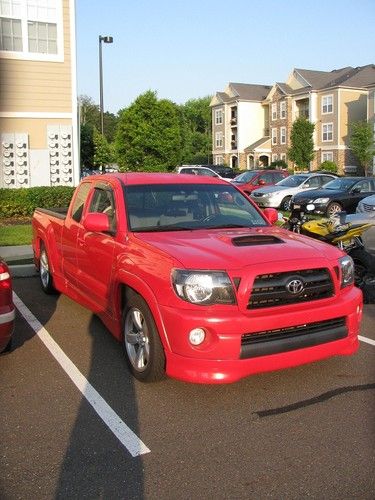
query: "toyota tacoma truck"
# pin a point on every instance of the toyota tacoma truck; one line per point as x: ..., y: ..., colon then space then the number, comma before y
x: 194, y: 280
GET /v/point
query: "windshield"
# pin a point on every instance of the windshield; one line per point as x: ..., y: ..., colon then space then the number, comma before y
x: 343, y: 183
x: 245, y: 177
x: 292, y: 181
x: 179, y: 207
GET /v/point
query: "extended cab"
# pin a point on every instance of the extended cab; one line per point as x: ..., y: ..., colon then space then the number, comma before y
x: 194, y: 280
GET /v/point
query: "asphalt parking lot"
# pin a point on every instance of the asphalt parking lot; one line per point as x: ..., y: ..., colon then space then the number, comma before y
x: 76, y: 425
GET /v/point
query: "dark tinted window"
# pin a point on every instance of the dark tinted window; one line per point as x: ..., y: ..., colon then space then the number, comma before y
x: 103, y: 202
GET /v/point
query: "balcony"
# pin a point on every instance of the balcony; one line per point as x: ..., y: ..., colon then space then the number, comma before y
x: 233, y: 121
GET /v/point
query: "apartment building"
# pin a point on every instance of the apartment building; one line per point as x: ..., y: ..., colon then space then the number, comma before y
x: 371, y: 115
x: 38, y: 94
x: 239, y: 117
x: 329, y: 99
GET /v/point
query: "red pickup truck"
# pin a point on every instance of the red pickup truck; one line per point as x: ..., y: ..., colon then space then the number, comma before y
x: 194, y: 279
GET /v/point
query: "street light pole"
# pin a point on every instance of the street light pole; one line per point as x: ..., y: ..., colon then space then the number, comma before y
x: 105, y: 39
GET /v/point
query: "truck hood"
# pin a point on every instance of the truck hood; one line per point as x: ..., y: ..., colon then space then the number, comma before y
x: 237, y: 248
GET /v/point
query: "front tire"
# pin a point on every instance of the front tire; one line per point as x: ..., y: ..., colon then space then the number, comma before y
x: 143, y: 350
x: 285, y: 204
x: 333, y: 208
x: 45, y: 276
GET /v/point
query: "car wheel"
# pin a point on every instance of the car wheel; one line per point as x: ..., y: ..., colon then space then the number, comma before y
x: 285, y: 204
x: 141, y: 342
x: 333, y: 208
x: 45, y: 275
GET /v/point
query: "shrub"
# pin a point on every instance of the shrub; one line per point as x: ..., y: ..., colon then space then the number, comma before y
x: 22, y: 202
x: 278, y: 163
x: 328, y: 166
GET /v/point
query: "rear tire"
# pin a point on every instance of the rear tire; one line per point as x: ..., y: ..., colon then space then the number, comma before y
x: 143, y: 349
x: 45, y: 275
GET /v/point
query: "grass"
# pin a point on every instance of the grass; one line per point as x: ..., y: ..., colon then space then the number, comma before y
x: 18, y: 234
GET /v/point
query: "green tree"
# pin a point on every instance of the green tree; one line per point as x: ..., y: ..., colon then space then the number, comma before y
x: 301, y: 151
x: 90, y: 115
x: 149, y: 136
x: 197, y: 135
x: 102, y: 150
x: 362, y: 143
x: 87, y: 145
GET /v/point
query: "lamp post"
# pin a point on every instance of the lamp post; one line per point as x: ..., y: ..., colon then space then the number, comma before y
x: 105, y: 39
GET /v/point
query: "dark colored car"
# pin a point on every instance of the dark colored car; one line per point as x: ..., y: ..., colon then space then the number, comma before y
x: 253, y: 179
x: 7, y: 311
x: 341, y: 194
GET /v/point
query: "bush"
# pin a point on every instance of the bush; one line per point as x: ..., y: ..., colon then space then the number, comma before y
x: 22, y: 202
x: 279, y: 164
x: 328, y: 166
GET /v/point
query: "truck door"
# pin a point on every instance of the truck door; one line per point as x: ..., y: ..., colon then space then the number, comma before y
x: 95, y: 252
x: 70, y: 233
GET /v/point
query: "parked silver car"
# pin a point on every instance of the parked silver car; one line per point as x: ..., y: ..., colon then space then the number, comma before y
x: 280, y: 195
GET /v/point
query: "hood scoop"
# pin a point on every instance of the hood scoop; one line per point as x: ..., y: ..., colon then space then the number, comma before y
x: 254, y: 240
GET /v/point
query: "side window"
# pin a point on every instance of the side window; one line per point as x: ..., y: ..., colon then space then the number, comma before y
x: 363, y: 186
x: 103, y: 202
x: 313, y: 182
x: 325, y: 179
x: 266, y: 178
x: 277, y: 176
x: 79, y: 201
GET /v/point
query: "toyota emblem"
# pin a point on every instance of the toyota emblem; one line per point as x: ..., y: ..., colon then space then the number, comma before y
x: 295, y: 286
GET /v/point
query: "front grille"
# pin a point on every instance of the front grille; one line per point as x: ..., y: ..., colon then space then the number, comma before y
x: 294, y: 337
x: 368, y: 208
x: 271, y: 290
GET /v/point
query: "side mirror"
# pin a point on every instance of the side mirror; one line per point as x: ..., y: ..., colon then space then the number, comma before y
x: 271, y: 215
x: 96, y: 222
x: 261, y: 182
x: 356, y: 190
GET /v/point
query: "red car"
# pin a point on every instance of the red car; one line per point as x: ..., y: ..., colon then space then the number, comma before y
x: 253, y: 179
x: 7, y: 311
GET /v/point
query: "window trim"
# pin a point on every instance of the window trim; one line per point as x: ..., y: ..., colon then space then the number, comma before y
x: 282, y: 136
x: 274, y: 136
x: 325, y: 153
x: 327, y: 133
x: 327, y: 105
x: 219, y: 114
x: 218, y: 139
x: 274, y: 111
x: 274, y: 157
x: 36, y: 56
x: 283, y: 110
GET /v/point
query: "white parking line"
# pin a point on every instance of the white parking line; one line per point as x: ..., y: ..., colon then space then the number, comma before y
x: 365, y: 339
x: 123, y: 433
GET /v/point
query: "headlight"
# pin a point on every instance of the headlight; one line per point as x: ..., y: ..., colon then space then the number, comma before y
x: 203, y: 287
x: 321, y: 200
x: 347, y: 271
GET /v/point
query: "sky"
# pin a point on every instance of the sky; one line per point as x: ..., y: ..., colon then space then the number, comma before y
x: 190, y: 49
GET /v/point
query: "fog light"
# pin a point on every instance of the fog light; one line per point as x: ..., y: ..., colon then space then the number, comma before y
x: 197, y: 336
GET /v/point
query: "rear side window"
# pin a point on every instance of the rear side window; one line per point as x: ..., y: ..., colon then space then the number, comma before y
x: 79, y: 200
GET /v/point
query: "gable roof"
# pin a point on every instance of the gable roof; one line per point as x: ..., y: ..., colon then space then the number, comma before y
x: 250, y: 92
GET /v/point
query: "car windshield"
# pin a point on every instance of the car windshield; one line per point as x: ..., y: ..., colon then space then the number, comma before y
x: 184, y: 207
x: 245, y: 177
x: 292, y: 181
x: 342, y: 184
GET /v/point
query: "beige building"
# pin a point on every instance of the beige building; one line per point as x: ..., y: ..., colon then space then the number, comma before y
x: 332, y: 100
x: 38, y: 94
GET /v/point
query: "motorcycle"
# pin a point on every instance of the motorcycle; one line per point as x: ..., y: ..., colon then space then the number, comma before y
x: 347, y: 236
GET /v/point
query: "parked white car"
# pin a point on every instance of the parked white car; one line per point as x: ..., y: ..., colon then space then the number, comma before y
x: 280, y: 195
x: 197, y: 170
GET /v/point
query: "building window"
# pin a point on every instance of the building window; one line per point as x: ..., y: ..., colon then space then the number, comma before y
x: 218, y: 116
x: 219, y: 139
x: 31, y: 29
x: 274, y: 157
x: 274, y: 136
x: 327, y: 132
x: 327, y: 156
x: 218, y: 160
x: 283, y: 157
x: 327, y: 104
x: 283, y: 109
x: 274, y: 111
x: 283, y: 135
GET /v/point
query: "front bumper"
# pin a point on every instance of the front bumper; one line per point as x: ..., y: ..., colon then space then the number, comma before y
x: 319, y: 208
x: 218, y: 359
x: 6, y: 328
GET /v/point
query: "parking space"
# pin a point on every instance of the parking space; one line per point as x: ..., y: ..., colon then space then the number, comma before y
x: 307, y: 431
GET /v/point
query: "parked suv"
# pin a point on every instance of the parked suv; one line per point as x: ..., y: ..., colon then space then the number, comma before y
x: 253, y: 179
x: 280, y: 195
